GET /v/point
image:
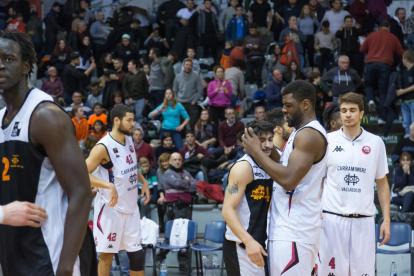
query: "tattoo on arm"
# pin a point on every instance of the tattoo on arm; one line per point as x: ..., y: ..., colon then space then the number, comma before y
x: 233, y: 189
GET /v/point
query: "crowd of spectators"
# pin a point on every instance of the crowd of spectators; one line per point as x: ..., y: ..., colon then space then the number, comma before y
x: 90, y: 63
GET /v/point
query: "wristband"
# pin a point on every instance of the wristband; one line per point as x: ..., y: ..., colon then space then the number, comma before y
x: 1, y: 215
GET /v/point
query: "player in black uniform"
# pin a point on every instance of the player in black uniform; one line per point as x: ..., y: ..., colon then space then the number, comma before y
x: 42, y: 164
x: 22, y: 214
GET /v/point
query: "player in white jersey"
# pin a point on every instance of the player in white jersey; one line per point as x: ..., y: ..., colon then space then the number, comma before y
x: 295, y: 222
x: 282, y: 131
x: 117, y: 218
x: 356, y: 159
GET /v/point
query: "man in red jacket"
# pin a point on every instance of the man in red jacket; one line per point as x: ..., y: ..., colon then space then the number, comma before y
x: 381, y: 47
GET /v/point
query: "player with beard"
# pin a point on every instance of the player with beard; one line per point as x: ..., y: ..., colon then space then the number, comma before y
x: 282, y: 131
x: 356, y: 159
x: 117, y: 220
x: 245, y: 209
x: 295, y: 222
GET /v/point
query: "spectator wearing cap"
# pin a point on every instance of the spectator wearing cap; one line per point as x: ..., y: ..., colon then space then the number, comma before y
x: 53, y: 85
x: 254, y: 49
x: 237, y: 52
x: 235, y: 76
x: 52, y: 27
x: 126, y: 51
x: 71, y: 77
x: 238, y: 26
x: 381, y: 48
x: 335, y: 16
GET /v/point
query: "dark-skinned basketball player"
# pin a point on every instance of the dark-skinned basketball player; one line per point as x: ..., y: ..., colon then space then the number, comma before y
x: 41, y: 164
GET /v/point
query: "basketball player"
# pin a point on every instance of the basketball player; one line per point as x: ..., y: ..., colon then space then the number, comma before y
x: 332, y: 118
x: 282, y: 131
x: 117, y: 220
x: 356, y: 159
x: 245, y: 209
x: 42, y: 164
x: 295, y: 221
x: 22, y: 214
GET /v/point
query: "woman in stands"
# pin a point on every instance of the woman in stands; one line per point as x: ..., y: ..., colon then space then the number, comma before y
x: 106, y: 64
x: 171, y: 112
x: 87, y: 144
x: 163, y: 165
x: 219, y: 92
x: 404, y: 183
x: 206, y: 131
x: 293, y: 73
x: 173, y: 58
x: 85, y: 58
x: 99, y: 129
x: 60, y: 56
x: 166, y: 146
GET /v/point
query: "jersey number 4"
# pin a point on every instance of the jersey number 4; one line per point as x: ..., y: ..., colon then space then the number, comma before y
x: 111, y: 237
x: 332, y: 263
x: 129, y: 159
x: 6, y: 163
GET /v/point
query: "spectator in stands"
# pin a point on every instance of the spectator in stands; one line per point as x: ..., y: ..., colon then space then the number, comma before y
x: 191, y: 53
x: 173, y: 58
x: 185, y: 13
x: 409, y: 30
x: 225, y: 57
x: 214, y: 9
x: 135, y: 89
x: 397, y: 24
x: 34, y: 29
x: 274, y: 90
x: 254, y: 48
x: 227, y: 132
x: 167, y: 146
x: 335, y: 16
x: 17, y: 24
x: 381, y: 47
x: 238, y: 153
x: 407, y: 144
x: 98, y: 115
x: 151, y: 176
x: 317, y: 9
x: 95, y: 96
x: 407, y: 90
x: 116, y: 99
x: 171, y: 112
x: 80, y: 123
x: 219, y: 92
x: 235, y: 76
x: 260, y: 13
x: 99, y: 129
x: 71, y: 77
x: 404, y: 179
x: 60, y: 56
x: 325, y: 43
x: 80, y: 15
x: 289, y: 10
x: 143, y: 149
x: 293, y: 33
x: 293, y: 73
x: 315, y: 80
x: 126, y: 51
x: 205, y: 82
x: 75, y: 38
x: 53, y: 85
x: 342, y: 79
x: 227, y: 14
x: 52, y: 27
x: 119, y: 73
x: 259, y: 113
x: 163, y: 165
x: 349, y: 37
x: 358, y: 11
x: 87, y: 144
x: 179, y: 184
x: 237, y: 52
x: 85, y: 59
x: 99, y: 35
x: 238, y: 25
x: 189, y: 90
x: 308, y: 24
x: 89, y: 16
x: 106, y: 63
x: 206, y: 131
x: 161, y: 77
x: 155, y: 41
x: 146, y: 69
x: 77, y: 100
x: 166, y: 15
x: 274, y: 62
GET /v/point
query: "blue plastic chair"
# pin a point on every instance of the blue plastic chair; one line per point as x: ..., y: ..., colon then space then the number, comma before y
x: 400, y: 234
x: 191, y: 235
x: 214, y: 232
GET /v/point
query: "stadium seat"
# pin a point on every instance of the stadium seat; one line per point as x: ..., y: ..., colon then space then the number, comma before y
x: 206, y: 61
x: 211, y: 74
x: 400, y: 234
x: 246, y: 120
x: 214, y: 232
x: 250, y: 89
x: 158, y: 124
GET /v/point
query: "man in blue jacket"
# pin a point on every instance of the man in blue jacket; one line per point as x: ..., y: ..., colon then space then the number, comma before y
x: 274, y: 90
x: 238, y: 25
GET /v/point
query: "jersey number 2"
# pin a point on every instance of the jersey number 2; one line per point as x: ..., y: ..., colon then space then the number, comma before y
x: 129, y: 159
x: 111, y: 237
x: 332, y: 263
x: 6, y: 169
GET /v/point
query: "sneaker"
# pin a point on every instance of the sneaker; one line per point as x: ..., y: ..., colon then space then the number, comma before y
x: 381, y: 121
x: 371, y: 106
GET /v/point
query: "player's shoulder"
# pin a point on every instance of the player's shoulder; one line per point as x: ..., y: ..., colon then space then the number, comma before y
x: 334, y: 134
x: 372, y: 137
x: 242, y: 170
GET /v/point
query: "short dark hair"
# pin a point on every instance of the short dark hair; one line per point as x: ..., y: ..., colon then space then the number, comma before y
x: 120, y: 111
x: 276, y: 117
x: 135, y: 62
x: 352, y: 97
x: 95, y: 83
x: 301, y: 90
x: 119, y: 60
x: 346, y: 17
x: 187, y: 60
x: 385, y: 24
x: 74, y: 56
x: 228, y: 108
x: 398, y: 10
x: 328, y: 114
x: 56, y: 4
x: 240, y: 41
x: 260, y: 126
x: 26, y: 47
x: 189, y: 131
x: 325, y: 24
x: 239, y: 136
x: 409, y: 55
x: 240, y: 63
x: 156, y: 52
x: 314, y: 76
x: 238, y: 6
x: 97, y: 104
x: 259, y: 106
x: 165, y: 136
x: 81, y: 11
x: 253, y: 26
x: 208, y: 1
x: 407, y: 155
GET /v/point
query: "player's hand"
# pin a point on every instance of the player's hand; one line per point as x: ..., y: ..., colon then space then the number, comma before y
x: 23, y: 214
x: 145, y: 191
x: 255, y: 253
x: 113, y: 196
x: 385, y: 232
x: 251, y: 142
x: 95, y: 191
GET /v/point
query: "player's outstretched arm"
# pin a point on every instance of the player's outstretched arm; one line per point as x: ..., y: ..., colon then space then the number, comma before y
x: 52, y: 130
x: 145, y: 191
x: 310, y: 146
x: 240, y: 176
x: 384, y: 198
x: 99, y: 155
x: 22, y: 214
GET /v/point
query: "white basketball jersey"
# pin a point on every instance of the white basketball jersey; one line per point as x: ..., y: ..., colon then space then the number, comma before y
x: 295, y: 215
x: 122, y: 171
x: 352, y: 167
